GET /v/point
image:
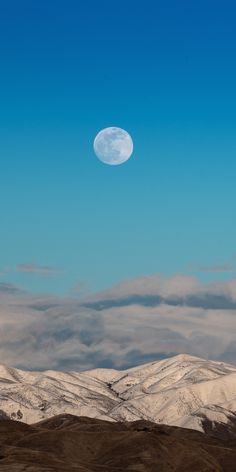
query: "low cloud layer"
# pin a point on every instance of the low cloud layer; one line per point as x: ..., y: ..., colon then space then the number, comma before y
x: 137, y: 321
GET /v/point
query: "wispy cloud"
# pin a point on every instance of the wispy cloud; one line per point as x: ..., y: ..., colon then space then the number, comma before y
x: 41, y: 270
x: 227, y: 266
x: 5, y: 271
x: 81, y: 290
x: 8, y: 288
x: 136, y: 321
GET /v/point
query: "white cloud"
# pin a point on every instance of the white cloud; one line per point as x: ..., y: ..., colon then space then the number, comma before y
x: 136, y: 321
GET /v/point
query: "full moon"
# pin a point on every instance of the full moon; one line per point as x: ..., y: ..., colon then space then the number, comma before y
x: 113, y: 146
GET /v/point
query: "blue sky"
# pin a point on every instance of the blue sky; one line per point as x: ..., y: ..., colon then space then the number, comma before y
x: 163, y: 70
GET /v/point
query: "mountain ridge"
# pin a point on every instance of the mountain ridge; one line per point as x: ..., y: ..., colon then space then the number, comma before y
x: 66, y: 443
x: 183, y: 390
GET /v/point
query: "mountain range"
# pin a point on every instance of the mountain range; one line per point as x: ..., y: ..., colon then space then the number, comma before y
x: 183, y: 390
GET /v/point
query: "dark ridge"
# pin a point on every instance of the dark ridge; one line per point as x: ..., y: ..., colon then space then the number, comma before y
x: 67, y: 443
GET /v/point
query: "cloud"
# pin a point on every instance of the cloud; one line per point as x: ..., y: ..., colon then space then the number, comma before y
x: 5, y: 271
x: 81, y: 290
x: 136, y: 321
x: 227, y: 266
x: 38, y: 269
x: 8, y: 288
x: 175, y: 291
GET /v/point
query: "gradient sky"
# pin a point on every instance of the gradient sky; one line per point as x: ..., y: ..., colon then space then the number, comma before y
x: 163, y: 70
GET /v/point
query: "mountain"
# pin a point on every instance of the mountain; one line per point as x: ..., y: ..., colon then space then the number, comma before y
x: 183, y: 391
x: 67, y: 443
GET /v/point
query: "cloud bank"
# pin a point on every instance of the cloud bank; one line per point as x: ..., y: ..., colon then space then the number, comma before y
x: 134, y: 322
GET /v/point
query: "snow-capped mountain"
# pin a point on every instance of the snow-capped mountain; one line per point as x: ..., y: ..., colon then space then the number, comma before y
x: 183, y: 390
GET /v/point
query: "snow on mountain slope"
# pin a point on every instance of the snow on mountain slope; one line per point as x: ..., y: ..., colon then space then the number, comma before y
x: 183, y: 390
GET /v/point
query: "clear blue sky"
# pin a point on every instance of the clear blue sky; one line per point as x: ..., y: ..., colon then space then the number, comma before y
x: 163, y: 70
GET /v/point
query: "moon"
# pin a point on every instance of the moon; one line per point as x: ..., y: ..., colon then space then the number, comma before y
x: 113, y: 146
